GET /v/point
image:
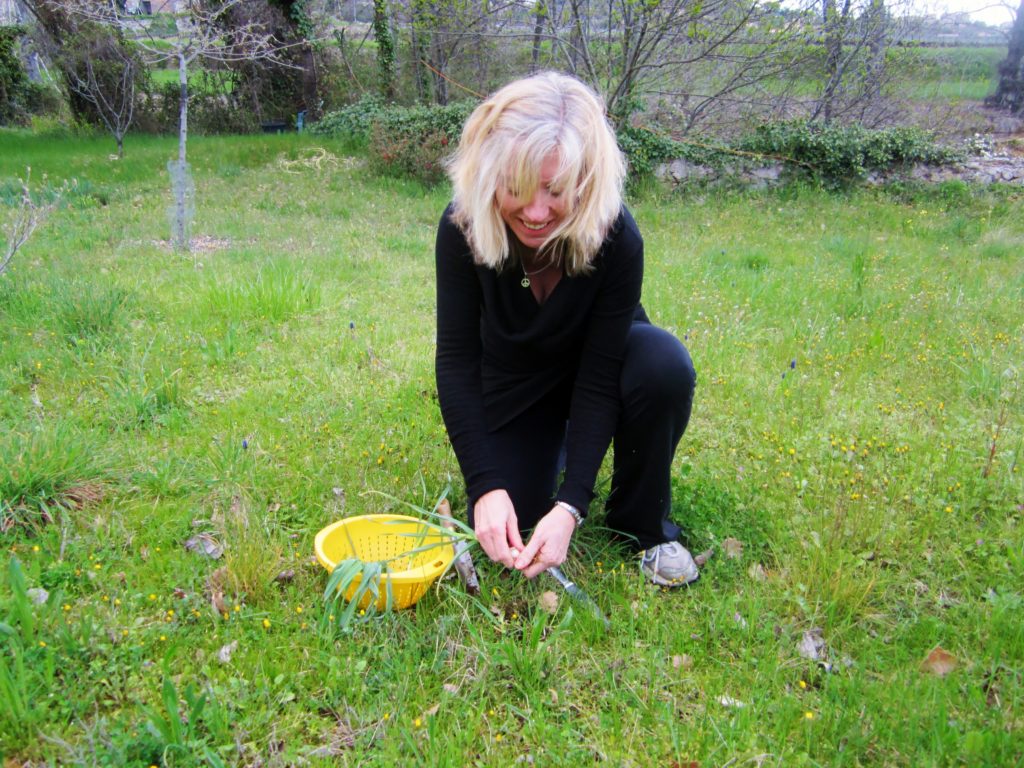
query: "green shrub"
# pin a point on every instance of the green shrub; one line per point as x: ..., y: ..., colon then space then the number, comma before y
x: 352, y: 123
x: 645, y: 150
x: 836, y: 155
x: 211, y: 109
x: 14, y: 83
x: 413, y: 142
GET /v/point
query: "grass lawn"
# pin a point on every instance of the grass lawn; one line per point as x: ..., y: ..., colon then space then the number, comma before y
x: 854, y: 459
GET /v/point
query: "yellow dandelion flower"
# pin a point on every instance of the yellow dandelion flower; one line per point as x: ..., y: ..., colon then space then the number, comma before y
x: 117, y: 601
x: 163, y: 638
x: 35, y: 547
x: 497, y: 737
x: 802, y: 684
x: 152, y: 596
x: 66, y: 607
x: 266, y: 623
x: 42, y: 643
x: 298, y: 609
x: 809, y: 715
x: 417, y: 722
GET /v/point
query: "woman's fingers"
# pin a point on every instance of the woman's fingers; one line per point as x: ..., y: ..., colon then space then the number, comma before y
x: 548, y: 545
x: 494, y: 518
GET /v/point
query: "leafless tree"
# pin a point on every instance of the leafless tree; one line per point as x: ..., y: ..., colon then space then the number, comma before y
x: 855, y: 36
x: 25, y: 219
x: 689, y: 55
x: 200, y: 37
x: 104, y: 72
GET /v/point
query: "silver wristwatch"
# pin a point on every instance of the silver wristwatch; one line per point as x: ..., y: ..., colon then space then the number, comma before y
x: 572, y: 511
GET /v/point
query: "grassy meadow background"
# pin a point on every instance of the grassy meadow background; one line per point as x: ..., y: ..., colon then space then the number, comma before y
x: 856, y: 436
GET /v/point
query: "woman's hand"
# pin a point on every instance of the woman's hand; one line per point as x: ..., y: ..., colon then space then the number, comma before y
x: 549, y: 543
x: 496, y: 527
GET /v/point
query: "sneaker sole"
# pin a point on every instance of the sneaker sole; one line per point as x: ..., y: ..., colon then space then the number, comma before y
x: 667, y: 583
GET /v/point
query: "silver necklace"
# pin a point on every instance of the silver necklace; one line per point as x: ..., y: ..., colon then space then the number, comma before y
x: 525, y: 282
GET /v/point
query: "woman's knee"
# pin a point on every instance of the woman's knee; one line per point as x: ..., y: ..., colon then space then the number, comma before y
x: 657, y: 366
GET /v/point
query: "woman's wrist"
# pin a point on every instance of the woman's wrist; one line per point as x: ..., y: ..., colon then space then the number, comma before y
x: 576, y: 515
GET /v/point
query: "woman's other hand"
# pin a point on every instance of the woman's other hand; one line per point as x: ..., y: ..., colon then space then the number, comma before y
x: 496, y: 527
x: 549, y: 543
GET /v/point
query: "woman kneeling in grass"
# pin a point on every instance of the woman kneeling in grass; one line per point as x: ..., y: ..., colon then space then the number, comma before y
x: 544, y: 353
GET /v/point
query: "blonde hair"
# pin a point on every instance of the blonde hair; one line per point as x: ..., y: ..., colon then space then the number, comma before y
x: 506, y: 140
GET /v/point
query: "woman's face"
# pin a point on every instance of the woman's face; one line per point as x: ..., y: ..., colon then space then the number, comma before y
x: 533, y: 220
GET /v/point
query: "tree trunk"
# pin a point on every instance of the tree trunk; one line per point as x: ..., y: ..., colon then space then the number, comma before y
x: 1009, y: 93
x: 385, y: 48
x: 182, y: 106
x: 540, y: 16
x: 179, y: 183
x: 833, y: 22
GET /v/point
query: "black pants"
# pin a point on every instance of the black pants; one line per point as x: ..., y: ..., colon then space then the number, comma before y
x: 656, y: 389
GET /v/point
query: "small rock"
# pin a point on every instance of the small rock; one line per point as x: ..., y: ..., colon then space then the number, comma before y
x: 811, y: 645
x: 682, y: 661
x: 729, y: 701
x: 548, y: 601
x: 224, y: 654
x: 204, y: 544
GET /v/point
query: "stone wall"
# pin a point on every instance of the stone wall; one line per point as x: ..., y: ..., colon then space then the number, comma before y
x: 1003, y: 168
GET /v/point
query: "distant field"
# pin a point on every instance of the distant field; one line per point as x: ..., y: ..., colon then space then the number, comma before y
x: 854, y: 460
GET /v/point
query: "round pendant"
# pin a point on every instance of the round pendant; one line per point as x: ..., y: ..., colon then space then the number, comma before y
x: 525, y: 282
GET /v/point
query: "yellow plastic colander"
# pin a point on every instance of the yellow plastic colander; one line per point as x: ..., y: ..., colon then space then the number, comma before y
x: 414, y: 554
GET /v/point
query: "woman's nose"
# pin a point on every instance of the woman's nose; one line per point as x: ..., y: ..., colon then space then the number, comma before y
x: 537, y: 209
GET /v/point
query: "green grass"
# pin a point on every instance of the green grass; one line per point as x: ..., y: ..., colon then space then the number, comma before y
x: 858, y: 357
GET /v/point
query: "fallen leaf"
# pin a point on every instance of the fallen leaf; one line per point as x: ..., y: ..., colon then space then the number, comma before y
x: 204, y: 544
x: 757, y: 572
x: 548, y: 601
x: 733, y: 548
x: 215, y: 583
x: 432, y: 711
x: 939, y: 662
x: 224, y: 654
x: 179, y: 593
x: 811, y: 645
x: 729, y: 701
x: 450, y: 688
x: 554, y: 696
x: 682, y: 661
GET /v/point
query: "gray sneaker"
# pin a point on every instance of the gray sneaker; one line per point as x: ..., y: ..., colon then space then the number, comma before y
x: 669, y: 565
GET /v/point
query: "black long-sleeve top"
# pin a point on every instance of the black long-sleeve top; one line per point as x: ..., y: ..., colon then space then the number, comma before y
x: 499, y: 352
